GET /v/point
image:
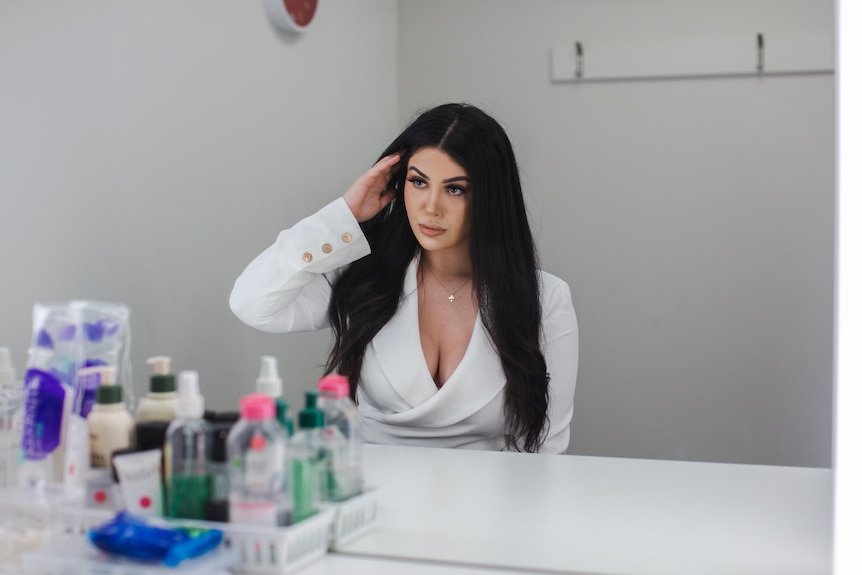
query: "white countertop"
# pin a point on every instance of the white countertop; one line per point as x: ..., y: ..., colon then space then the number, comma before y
x: 597, y: 515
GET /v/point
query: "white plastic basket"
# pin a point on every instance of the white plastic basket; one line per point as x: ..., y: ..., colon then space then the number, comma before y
x: 80, y: 558
x: 277, y: 550
x: 25, y: 518
x: 353, y: 518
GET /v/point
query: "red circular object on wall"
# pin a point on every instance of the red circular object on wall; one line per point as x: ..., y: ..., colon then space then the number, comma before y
x: 291, y: 15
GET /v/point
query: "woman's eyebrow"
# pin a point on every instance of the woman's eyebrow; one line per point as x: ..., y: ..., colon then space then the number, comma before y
x: 418, y: 171
x: 446, y: 181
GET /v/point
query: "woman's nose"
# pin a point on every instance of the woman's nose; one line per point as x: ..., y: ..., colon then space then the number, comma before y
x: 432, y: 206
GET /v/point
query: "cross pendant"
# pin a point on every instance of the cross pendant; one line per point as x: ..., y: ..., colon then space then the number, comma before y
x: 451, y: 297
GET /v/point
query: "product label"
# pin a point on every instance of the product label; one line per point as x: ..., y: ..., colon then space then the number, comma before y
x: 264, y: 470
x: 255, y: 513
x: 43, y: 414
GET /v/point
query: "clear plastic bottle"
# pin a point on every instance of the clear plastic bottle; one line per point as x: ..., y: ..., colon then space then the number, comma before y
x: 257, y: 446
x: 343, y: 436
x: 186, y: 449
x: 11, y: 420
x: 309, y: 457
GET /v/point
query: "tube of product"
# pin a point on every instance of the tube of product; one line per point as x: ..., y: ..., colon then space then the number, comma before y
x: 140, y: 476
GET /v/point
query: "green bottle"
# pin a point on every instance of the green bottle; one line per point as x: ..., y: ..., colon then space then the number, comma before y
x: 308, y: 459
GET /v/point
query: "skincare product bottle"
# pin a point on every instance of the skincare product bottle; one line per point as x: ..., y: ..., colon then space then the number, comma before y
x: 308, y: 459
x: 11, y: 420
x: 109, y: 423
x: 101, y: 491
x: 219, y: 471
x: 140, y: 475
x: 186, y: 475
x: 343, y: 436
x: 160, y: 403
x: 269, y: 383
x: 256, y: 449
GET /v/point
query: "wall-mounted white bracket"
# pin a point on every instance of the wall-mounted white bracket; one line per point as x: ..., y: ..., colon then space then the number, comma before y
x: 760, y: 53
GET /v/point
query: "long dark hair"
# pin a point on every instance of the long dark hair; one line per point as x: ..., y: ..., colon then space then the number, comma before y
x: 502, y: 253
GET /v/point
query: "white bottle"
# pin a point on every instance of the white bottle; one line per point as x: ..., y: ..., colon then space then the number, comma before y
x: 269, y: 383
x: 11, y: 420
x: 342, y: 432
x: 186, y: 471
x: 160, y: 404
x: 109, y: 423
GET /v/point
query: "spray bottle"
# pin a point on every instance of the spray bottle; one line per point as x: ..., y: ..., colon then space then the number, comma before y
x: 186, y: 448
x: 269, y: 383
x: 160, y: 403
x: 109, y: 423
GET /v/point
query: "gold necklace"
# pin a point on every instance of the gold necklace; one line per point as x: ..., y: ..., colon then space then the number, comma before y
x: 451, y: 297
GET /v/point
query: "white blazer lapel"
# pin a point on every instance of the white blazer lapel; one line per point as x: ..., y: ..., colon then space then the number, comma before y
x: 396, y: 354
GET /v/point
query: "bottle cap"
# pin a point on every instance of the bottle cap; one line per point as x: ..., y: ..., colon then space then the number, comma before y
x: 162, y: 381
x: 268, y: 383
x: 190, y: 402
x: 334, y: 383
x: 256, y: 406
x: 310, y: 417
x: 7, y: 370
x: 108, y: 391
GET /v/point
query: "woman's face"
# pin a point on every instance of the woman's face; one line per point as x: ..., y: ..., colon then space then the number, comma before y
x: 438, y: 197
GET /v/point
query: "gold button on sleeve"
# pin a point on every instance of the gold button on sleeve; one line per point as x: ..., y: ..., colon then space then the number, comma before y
x: 307, y: 257
x: 347, y: 238
x: 326, y: 248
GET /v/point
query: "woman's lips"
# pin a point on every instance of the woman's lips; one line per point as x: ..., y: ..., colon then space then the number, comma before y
x: 431, y: 230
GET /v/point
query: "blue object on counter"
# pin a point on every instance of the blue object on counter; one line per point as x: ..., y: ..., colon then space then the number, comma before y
x: 133, y: 537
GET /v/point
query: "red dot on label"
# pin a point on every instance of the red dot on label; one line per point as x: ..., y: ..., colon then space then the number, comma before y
x: 145, y: 502
x: 257, y: 442
x: 100, y: 496
x: 72, y: 469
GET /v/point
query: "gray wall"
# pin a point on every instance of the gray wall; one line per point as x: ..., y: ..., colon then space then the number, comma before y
x: 148, y: 151
x: 692, y: 218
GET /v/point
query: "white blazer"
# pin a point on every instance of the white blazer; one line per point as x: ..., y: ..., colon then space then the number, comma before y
x: 286, y: 289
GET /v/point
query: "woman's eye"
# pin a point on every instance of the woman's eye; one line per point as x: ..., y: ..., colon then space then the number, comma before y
x: 417, y: 182
x: 453, y: 191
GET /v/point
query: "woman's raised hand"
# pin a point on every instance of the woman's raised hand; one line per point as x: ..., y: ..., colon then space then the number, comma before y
x: 370, y: 192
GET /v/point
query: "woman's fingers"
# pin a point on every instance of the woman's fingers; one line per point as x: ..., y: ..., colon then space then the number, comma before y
x: 369, y: 194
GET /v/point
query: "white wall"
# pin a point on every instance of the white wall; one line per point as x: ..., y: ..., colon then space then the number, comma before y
x: 693, y: 219
x: 149, y: 150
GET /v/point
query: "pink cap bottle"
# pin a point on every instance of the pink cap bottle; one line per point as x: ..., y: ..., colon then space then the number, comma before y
x: 257, y: 407
x: 336, y: 384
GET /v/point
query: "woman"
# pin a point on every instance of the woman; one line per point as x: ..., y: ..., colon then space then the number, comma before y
x: 426, y: 271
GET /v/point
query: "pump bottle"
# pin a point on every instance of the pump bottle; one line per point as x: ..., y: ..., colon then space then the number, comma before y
x: 309, y: 459
x: 269, y: 383
x: 109, y: 423
x: 343, y: 437
x: 186, y: 447
x: 160, y: 403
